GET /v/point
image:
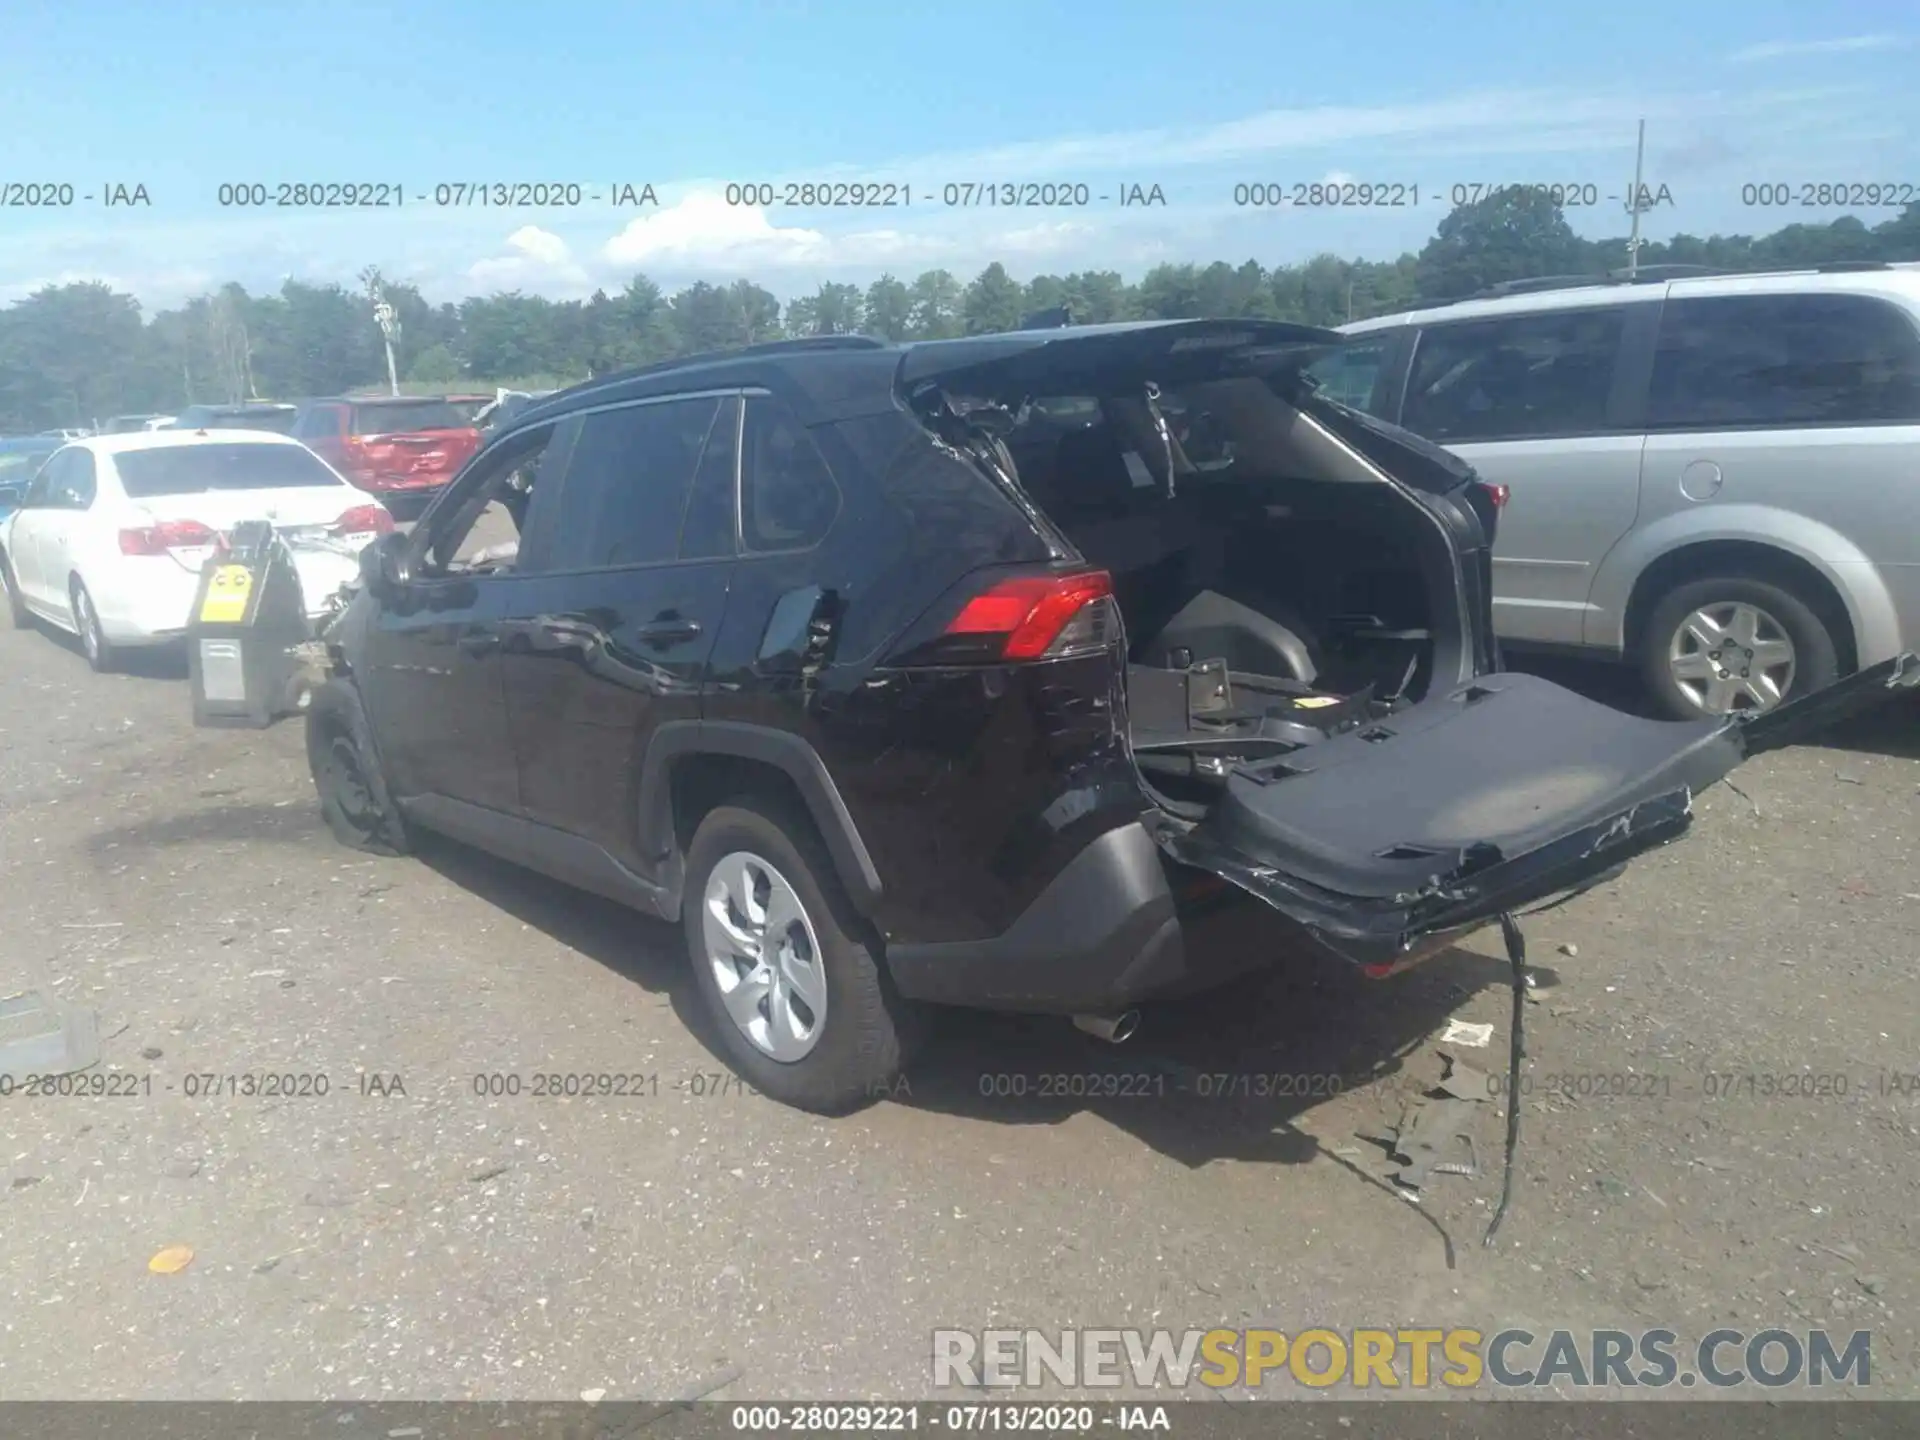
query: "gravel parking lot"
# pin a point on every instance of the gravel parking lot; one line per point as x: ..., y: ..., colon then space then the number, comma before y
x: 403, y: 1236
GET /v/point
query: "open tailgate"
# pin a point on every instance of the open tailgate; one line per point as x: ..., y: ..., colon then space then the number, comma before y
x: 1482, y: 800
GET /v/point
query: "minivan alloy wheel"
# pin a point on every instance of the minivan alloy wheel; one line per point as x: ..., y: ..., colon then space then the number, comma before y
x: 765, y: 956
x: 1732, y: 657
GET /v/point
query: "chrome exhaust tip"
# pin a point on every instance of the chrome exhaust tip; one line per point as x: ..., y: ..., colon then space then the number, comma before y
x: 1115, y: 1029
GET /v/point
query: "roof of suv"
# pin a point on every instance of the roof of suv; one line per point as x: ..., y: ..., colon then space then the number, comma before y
x: 1899, y: 280
x: 831, y: 377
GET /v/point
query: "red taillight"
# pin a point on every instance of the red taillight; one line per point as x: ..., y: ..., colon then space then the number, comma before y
x: 167, y: 535
x: 1032, y: 612
x: 363, y: 518
x: 1496, y: 493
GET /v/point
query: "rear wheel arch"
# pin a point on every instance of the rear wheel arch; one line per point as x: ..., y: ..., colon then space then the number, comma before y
x: 1741, y: 559
x: 691, y: 766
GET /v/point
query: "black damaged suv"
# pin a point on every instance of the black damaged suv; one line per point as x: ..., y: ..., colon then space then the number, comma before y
x: 966, y: 671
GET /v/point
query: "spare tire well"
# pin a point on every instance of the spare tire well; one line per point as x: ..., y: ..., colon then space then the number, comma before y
x: 1745, y: 559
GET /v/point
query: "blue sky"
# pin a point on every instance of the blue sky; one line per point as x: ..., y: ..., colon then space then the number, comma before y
x: 1194, y: 97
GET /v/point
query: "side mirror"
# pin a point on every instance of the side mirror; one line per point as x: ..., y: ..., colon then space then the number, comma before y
x: 383, y: 564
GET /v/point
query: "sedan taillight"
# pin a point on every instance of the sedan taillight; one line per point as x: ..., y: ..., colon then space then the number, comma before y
x: 167, y: 535
x: 364, y: 519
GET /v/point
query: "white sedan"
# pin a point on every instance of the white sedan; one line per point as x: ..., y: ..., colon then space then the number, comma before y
x: 110, y: 536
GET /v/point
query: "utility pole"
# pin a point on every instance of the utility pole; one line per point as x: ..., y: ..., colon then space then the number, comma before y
x: 1633, y: 204
x: 389, y: 322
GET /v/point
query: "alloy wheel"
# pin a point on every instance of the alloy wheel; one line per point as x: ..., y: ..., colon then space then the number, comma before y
x: 1732, y: 658
x: 88, y: 623
x: 765, y: 956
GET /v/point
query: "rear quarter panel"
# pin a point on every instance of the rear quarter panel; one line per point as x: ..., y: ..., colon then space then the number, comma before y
x: 970, y: 787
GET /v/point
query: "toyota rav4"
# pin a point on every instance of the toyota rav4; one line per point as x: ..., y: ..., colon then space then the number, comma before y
x: 960, y: 671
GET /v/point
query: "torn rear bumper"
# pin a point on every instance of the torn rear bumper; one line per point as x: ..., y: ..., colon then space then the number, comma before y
x: 1387, y: 933
x: 1107, y: 933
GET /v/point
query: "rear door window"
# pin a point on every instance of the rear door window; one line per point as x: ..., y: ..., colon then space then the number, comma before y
x: 1351, y: 374
x: 82, y: 483
x: 40, y: 492
x: 707, y: 530
x: 1520, y: 377
x: 1738, y: 361
x: 788, y: 499
x: 628, y: 481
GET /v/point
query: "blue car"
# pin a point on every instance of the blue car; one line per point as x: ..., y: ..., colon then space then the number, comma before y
x: 20, y: 459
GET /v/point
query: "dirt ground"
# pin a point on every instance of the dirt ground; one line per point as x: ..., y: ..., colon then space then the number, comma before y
x: 413, y: 1238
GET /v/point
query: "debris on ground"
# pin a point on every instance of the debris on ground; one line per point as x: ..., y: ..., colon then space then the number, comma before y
x: 40, y: 1035
x: 1468, y: 1032
x: 1435, y: 1133
x: 172, y: 1260
x: 1433, y: 1139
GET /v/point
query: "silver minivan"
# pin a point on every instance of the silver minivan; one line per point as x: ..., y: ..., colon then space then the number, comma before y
x: 1716, y: 479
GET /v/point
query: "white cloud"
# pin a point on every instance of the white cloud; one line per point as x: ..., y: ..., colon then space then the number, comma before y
x: 541, y: 261
x: 1845, y: 45
x: 702, y: 227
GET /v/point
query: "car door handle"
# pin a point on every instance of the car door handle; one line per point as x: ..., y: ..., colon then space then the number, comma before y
x: 666, y: 631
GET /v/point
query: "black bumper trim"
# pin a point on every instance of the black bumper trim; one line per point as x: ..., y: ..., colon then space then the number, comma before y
x: 1103, y: 934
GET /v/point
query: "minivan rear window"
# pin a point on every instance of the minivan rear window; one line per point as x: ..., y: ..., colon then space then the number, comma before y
x: 404, y: 417
x: 1728, y: 361
x: 194, y: 469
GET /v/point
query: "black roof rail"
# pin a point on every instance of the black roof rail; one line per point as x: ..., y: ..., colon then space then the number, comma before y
x: 1536, y: 282
x: 1652, y: 274
x: 1643, y: 275
x: 708, y: 357
x: 1657, y: 274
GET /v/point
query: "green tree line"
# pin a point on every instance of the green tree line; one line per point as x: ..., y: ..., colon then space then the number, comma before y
x: 77, y: 353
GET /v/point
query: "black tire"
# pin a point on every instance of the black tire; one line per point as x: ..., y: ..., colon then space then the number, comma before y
x: 347, y: 774
x: 869, y: 1032
x: 101, y: 655
x: 1816, y: 654
x: 16, y: 604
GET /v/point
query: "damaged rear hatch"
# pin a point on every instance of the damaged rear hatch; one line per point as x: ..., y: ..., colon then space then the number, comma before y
x: 1394, y: 831
x: 1501, y: 793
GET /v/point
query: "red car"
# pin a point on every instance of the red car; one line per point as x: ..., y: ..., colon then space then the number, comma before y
x: 401, y: 449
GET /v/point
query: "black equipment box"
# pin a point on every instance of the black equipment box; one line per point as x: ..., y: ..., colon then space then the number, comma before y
x: 248, y: 618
